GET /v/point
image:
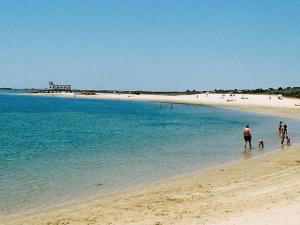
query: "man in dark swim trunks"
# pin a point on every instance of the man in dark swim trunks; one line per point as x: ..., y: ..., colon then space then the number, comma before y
x: 247, y: 136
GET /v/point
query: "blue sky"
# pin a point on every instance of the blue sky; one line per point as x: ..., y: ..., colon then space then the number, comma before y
x: 150, y: 45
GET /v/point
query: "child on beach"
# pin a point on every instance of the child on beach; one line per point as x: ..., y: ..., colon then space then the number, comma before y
x: 279, y: 127
x: 288, y: 141
x: 285, y: 129
x: 261, y: 144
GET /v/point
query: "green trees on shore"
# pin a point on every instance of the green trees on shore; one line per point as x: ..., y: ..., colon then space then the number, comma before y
x: 288, y: 91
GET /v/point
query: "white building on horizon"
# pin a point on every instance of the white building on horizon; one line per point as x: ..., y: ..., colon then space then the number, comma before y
x: 59, y: 87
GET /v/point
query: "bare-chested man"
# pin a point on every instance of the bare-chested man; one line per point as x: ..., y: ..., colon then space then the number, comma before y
x: 247, y: 136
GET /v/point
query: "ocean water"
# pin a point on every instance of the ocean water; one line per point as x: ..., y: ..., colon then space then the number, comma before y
x: 55, y: 150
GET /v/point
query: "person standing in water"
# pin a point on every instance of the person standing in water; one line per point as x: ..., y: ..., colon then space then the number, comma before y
x: 247, y: 136
x: 279, y: 128
x: 283, y: 133
x: 285, y: 130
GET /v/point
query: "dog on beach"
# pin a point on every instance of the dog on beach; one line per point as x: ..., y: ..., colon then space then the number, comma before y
x: 261, y: 144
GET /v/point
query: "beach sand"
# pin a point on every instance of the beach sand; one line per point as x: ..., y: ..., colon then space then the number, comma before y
x: 286, y: 107
x: 265, y: 190
x: 262, y: 190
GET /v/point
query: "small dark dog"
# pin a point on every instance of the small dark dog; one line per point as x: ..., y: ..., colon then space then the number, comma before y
x: 288, y: 141
x: 261, y: 144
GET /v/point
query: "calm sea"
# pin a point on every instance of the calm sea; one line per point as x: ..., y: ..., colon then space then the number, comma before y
x: 55, y: 150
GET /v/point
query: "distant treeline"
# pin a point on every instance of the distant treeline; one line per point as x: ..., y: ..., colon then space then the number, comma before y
x: 138, y: 92
x: 288, y: 91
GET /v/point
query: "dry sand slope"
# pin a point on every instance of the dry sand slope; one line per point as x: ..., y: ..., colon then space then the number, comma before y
x: 265, y: 190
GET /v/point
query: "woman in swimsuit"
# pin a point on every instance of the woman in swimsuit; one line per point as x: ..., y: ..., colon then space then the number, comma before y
x: 282, y: 134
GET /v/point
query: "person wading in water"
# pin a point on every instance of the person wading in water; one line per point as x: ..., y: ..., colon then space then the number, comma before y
x: 279, y: 128
x: 283, y: 133
x: 247, y: 136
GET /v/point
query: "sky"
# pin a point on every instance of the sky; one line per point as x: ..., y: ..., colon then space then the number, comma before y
x: 150, y: 44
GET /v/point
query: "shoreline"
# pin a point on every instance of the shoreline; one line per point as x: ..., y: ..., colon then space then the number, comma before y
x: 125, y: 190
x: 76, y: 213
x: 259, y: 104
x: 237, y: 181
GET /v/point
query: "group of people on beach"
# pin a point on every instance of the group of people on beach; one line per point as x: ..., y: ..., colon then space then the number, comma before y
x: 282, y: 133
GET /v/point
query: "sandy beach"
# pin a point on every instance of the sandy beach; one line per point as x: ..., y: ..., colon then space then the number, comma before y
x: 265, y: 104
x: 262, y: 190
x: 140, y: 112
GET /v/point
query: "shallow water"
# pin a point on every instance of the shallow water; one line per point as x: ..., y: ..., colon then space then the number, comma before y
x: 54, y: 150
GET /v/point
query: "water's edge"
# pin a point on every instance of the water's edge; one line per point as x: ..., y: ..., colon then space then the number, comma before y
x: 157, y: 182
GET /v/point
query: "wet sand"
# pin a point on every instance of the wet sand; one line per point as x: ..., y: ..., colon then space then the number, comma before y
x: 247, y: 191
